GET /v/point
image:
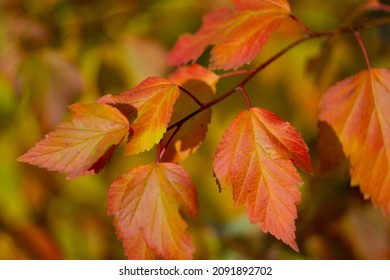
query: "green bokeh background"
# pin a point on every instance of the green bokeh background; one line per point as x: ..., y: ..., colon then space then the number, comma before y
x: 55, y: 52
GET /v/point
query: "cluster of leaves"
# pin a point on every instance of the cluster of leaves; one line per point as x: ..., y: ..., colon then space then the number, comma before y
x: 257, y: 155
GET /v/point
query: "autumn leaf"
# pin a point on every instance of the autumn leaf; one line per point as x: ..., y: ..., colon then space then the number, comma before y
x: 135, y: 247
x: 201, y: 83
x: 358, y: 111
x: 82, y: 146
x: 195, y: 72
x: 192, y: 133
x: 330, y: 151
x: 147, y: 199
x: 150, y: 107
x: 237, y: 34
x: 256, y: 158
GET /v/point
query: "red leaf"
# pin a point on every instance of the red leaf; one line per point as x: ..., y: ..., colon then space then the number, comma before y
x: 152, y: 102
x: 82, y: 146
x: 147, y: 200
x: 358, y: 111
x: 237, y: 34
x: 255, y: 158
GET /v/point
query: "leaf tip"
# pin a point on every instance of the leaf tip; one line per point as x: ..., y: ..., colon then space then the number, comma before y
x: 294, y: 246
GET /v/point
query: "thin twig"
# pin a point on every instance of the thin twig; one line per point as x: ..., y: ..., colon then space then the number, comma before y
x: 197, y: 101
x: 241, y: 84
x: 297, y: 42
x: 302, y: 24
x: 236, y: 73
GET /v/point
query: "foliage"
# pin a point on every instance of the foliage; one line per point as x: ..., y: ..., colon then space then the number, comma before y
x: 361, y: 123
x: 245, y: 28
x: 255, y: 158
x: 166, y: 117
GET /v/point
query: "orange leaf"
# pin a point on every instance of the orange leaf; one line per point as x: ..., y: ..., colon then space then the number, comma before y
x: 147, y: 200
x: 358, y: 111
x: 150, y: 105
x: 255, y: 158
x: 135, y: 247
x: 82, y: 146
x: 237, y: 34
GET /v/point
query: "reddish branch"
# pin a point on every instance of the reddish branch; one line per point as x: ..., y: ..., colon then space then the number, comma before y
x: 252, y: 72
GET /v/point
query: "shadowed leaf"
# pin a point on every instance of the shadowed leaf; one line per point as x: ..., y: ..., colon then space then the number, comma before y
x: 201, y: 83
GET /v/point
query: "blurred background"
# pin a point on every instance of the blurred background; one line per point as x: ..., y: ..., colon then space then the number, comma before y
x: 55, y: 52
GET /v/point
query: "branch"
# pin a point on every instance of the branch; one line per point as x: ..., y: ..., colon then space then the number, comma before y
x: 236, y: 73
x: 253, y: 72
x: 241, y: 84
x: 197, y: 101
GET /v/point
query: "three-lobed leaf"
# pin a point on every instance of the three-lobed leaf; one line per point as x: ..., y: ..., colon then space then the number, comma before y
x: 82, y: 146
x: 146, y: 203
x: 149, y: 107
x: 237, y: 34
x: 357, y: 108
x: 256, y: 158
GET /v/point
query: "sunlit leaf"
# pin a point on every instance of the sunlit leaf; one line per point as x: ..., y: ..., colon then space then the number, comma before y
x: 135, y: 247
x: 256, y: 158
x: 82, y: 146
x: 147, y: 199
x: 237, y: 34
x: 358, y: 111
x: 149, y: 108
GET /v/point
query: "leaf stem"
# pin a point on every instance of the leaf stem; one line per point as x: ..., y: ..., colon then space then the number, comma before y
x: 236, y: 73
x: 245, y: 94
x: 304, y: 26
x: 197, y: 101
x: 364, y: 50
